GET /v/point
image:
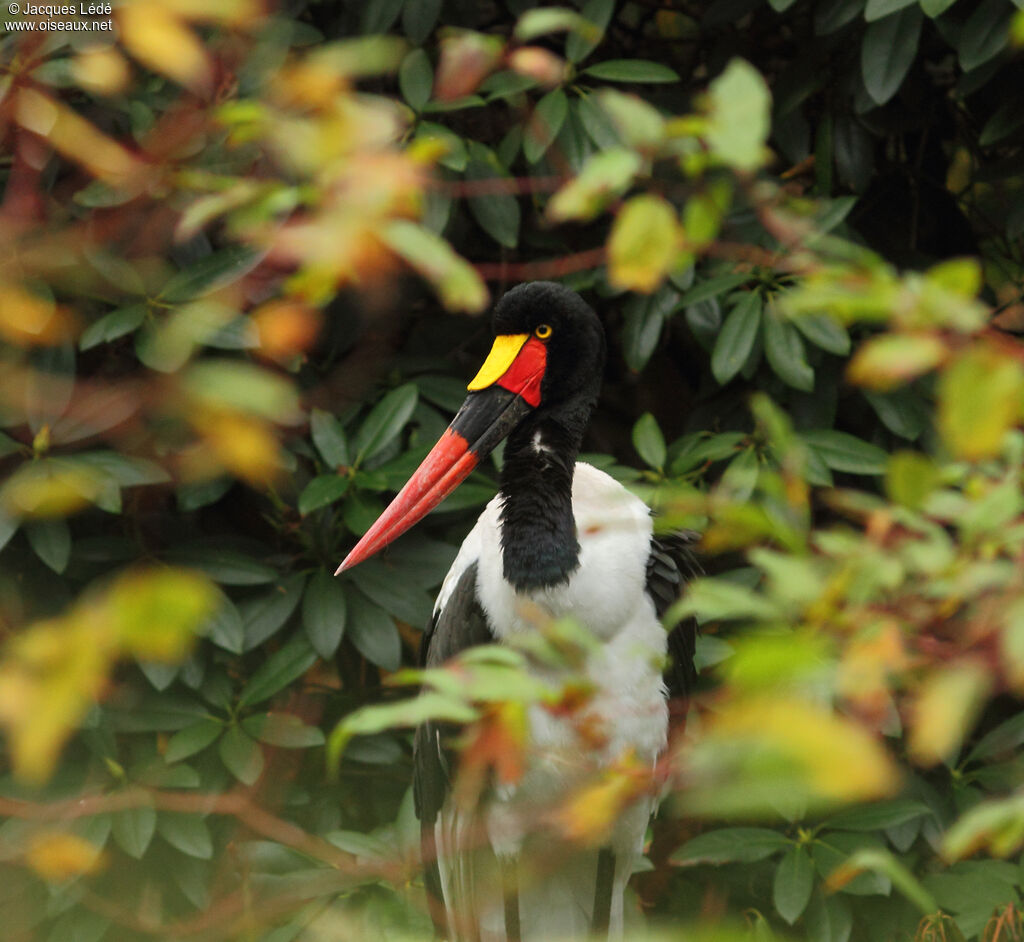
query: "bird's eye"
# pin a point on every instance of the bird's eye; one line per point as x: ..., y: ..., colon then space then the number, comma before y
x: 543, y: 331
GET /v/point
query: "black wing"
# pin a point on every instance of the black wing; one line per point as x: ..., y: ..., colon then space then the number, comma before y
x: 670, y: 566
x: 459, y: 625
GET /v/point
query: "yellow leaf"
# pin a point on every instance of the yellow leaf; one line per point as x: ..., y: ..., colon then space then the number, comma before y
x: 77, y: 139
x: 591, y: 813
x: 643, y: 245
x: 838, y: 760
x: 155, y: 614
x: 945, y: 708
x: 102, y: 70
x: 889, y: 361
x: 58, y: 856
x: 980, y: 398
x: 158, y: 38
x: 244, y: 445
x: 26, y: 319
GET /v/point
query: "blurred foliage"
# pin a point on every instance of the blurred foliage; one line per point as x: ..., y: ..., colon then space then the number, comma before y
x: 801, y: 223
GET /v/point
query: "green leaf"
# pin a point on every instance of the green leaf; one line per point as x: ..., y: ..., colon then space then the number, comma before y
x: 824, y: 332
x: 385, y: 422
x: 398, y: 596
x: 888, y: 51
x: 645, y: 318
x: 8, y: 527
x: 794, y: 880
x: 731, y: 845
x: 133, y: 829
x: 985, y: 34
x: 649, y: 442
x: 373, y: 632
x: 712, y: 288
x: 739, y: 116
x: 322, y: 490
x: 329, y: 437
x: 631, y: 70
x: 713, y: 599
x: 843, y: 452
x: 112, y: 326
x: 497, y: 213
x: 878, y: 816
x: 51, y: 542
x: 214, y: 271
x: 828, y: 918
x: 876, y: 9
x: 278, y: 671
x: 266, y: 614
x: 188, y: 833
x: 544, y: 20
x: 736, y: 338
x: 244, y: 387
x: 934, y: 8
x: 323, y: 613
x: 241, y: 755
x: 455, y: 280
x: 785, y: 352
x: 419, y: 18
x: 192, y: 739
x: 545, y: 123
x: 583, y: 41
x: 416, y: 79
x: 283, y: 730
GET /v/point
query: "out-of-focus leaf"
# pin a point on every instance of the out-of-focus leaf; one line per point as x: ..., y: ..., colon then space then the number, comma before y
x: 738, y: 106
x: 945, y: 708
x: 544, y: 20
x: 910, y: 477
x: 888, y: 361
x: 638, y: 123
x: 876, y: 9
x: 649, y: 442
x: 883, y: 862
x: 385, y: 421
x: 631, y: 70
x: 643, y: 243
x: 429, y: 705
x: 979, y: 399
x: 455, y: 280
x: 244, y: 387
x: 888, y: 51
x: 736, y: 339
x: 279, y: 670
x: 498, y: 212
x: 605, y: 176
x: 241, y: 755
x: 794, y: 879
x: 997, y: 826
x: 419, y: 17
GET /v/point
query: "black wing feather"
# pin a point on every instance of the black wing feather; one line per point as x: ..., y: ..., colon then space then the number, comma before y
x: 670, y: 566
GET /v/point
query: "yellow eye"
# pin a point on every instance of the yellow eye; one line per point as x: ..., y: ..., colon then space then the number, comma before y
x: 543, y: 331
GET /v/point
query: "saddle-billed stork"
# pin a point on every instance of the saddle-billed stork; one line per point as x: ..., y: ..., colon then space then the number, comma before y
x: 564, y: 539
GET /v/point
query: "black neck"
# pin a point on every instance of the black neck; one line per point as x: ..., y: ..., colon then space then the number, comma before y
x: 538, y: 532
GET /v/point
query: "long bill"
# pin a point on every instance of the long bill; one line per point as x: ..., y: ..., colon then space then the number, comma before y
x: 487, y: 416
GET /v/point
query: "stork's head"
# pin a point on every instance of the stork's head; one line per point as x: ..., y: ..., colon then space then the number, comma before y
x: 547, y: 356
